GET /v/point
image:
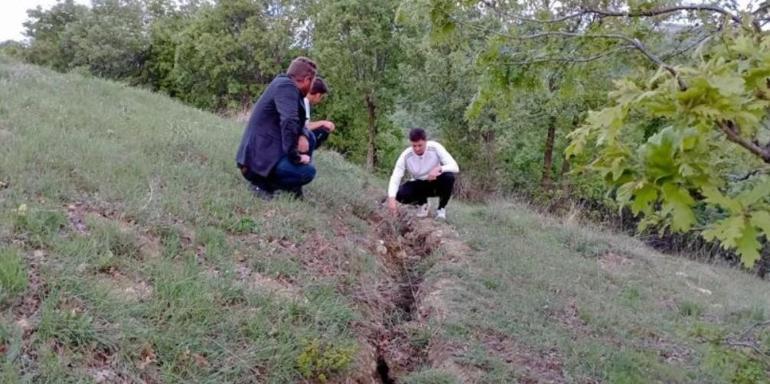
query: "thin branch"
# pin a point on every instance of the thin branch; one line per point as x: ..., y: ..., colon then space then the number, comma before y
x: 688, y: 47
x: 561, y: 59
x: 611, y: 13
x: 732, y: 134
x: 612, y: 36
x: 665, y: 10
x: 762, y: 9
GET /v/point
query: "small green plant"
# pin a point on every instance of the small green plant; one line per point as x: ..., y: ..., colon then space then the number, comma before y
x: 322, y: 360
x: 242, y: 225
x: 736, y: 366
x: 420, y: 337
x: 71, y: 326
x: 689, y: 309
x: 38, y: 226
x: 215, y: 242
x: 118, y: 242
x: 13, y: 276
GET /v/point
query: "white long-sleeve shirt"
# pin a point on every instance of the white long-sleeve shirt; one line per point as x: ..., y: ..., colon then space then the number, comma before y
x: 419, y: 166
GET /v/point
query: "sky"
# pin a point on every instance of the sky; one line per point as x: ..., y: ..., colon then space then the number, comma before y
x: 14, y: 12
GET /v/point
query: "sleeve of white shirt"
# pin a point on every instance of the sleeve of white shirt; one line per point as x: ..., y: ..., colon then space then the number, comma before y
x: 307, y: 110
x: 448, y: 163
x: 398, y: 174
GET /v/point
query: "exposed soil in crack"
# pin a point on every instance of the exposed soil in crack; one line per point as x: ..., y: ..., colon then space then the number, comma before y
x: 404, y: 248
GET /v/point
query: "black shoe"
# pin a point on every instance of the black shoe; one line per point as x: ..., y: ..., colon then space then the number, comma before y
x: 297, y: 192
x: 261, y: 193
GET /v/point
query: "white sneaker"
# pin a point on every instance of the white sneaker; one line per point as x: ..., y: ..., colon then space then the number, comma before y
x: 422, y: 211
x: 441, y: 213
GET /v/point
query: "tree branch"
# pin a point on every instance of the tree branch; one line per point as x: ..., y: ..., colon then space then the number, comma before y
x: 665, y: 10
x: 562, y: 59
x: 633, y: 42
x: 694, y: 44
x: 731, y: 131
x: 611, y: 13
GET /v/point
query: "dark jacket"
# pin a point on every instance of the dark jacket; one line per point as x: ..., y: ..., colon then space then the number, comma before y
x: 274, y: 126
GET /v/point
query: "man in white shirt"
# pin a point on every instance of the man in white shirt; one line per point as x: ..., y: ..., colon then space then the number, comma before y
x: 433, y: 174
x: 314, y: 132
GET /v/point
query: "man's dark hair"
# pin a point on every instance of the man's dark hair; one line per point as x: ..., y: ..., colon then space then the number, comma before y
x: 417, y: 134
x: 301, y: 68
x: 319, y: 86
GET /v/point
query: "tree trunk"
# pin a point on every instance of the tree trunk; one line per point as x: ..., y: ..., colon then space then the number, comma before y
x: 371, y: 148
x: 547, y: 181
x: 563, y: 179
x: 490, y: 162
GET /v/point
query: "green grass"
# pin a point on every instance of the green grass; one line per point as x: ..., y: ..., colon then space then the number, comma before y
x: 160, y: 281
x: 136, y: 253
x: 606, y: 306
x: 13, y: 274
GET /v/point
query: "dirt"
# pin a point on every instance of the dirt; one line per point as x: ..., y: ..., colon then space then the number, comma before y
x: 614, y: 263
x: 531, y: 366
x: 403, y: 303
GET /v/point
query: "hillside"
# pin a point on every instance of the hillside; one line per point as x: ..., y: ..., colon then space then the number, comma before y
x: 133, y: 252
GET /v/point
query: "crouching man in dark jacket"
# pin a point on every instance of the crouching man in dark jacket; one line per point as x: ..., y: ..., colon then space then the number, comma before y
x: 268, y: 155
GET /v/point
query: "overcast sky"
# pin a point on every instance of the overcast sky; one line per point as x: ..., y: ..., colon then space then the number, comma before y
x: 14, y: 12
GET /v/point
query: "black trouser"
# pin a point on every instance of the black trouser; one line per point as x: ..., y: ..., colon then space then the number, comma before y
x: 418, y: 191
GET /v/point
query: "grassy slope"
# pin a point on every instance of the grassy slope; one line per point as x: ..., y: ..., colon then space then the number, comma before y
x: 141, y: 256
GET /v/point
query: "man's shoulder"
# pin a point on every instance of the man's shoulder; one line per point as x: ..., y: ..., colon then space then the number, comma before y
x: 281, y: 79
x: 283, y: 82
x: 407, y: 153
x: 433, y: 145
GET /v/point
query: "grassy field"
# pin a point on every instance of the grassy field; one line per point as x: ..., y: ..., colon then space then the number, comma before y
x: 131, y: 251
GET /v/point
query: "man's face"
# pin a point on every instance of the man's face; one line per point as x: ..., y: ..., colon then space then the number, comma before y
x: 418, y: 147
x: 304, y: 85
x: 315, y: 98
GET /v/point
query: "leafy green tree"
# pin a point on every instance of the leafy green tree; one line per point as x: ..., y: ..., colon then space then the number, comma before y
x: 358, y: 48
x: 111, y: 40
x: 12, y: 48
x: 230, y: 50
x: 677, y: 138
x: 439, y: 81
x: 49, y: 45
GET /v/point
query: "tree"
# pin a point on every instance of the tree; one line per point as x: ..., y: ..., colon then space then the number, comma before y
x: 111, y: 40
x: 231, y: 49
x: 49, y: 45
x: 530, y: 93
x: 439, y: 81
x: 12, y: 48
x: 705, y: 123
x: 359, y: 49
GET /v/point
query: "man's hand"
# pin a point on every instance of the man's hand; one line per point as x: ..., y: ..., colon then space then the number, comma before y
x: 392, y: 205
x: 433, y: 174
x: 304, y: 159
x: 302, y: 145
x: 328, y: 125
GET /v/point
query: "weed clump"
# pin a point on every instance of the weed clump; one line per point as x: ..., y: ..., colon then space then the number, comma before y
x: 323, y: 360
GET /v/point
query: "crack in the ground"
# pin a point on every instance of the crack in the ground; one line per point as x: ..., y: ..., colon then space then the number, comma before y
x: 407, y: 250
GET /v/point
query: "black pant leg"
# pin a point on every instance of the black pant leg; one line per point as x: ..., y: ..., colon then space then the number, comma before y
x: 413, y: 192
x: 444, y: 185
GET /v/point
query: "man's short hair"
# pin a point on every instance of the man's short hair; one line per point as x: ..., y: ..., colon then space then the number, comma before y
x: 417, y: 134
x: 319, y: 86
x: 301, y: 68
